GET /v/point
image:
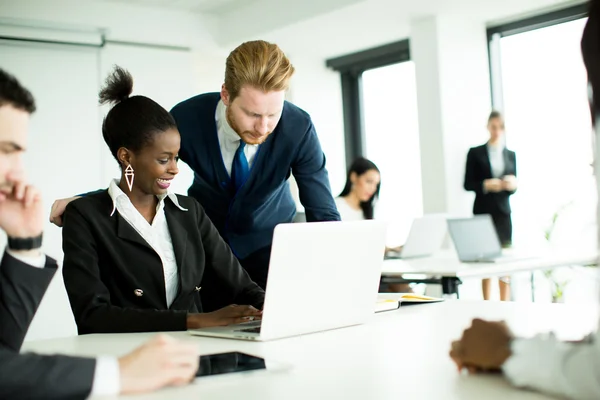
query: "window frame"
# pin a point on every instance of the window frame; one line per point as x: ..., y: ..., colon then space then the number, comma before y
x: 351, y: 68
x: 496, y: 32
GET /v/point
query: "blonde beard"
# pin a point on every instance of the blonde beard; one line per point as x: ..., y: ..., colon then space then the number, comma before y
x: 233, y: 125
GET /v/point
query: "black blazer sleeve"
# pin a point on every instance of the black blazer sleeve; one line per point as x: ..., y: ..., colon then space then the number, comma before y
x: 473, y: 182
x: 513, y: 158
x: 32, y: 376
x: 29, y: 376
x: 222, y: 265
x: 90, y: 298
x: 21, y: 290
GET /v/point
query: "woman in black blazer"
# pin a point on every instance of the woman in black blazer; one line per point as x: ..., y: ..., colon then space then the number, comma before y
x: 137, y: 257
x: 491, y: 173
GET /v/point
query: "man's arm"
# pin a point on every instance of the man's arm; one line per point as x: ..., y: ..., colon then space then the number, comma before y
x: 565, y: 369
x: 31, y: 376
x: 22, y: 288
x: 313, y: 181
x: 59, y: 206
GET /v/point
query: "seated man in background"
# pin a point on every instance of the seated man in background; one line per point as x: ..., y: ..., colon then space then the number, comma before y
x: 544, y: 363
x: 25, y: 274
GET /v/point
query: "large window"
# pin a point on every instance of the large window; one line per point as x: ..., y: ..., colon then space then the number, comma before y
x: 381, y: 123
x: 391, y: 134
x: 540, y: 83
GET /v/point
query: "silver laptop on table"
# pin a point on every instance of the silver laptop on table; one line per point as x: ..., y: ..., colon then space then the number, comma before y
x: 426, y: 237
x: 476, y: 240
x: 322, y: 276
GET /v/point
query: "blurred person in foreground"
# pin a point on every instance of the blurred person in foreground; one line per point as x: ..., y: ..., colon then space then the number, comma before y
x: 544, y: 363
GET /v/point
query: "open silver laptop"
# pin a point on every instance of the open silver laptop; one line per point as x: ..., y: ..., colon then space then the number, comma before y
x: 476, y: 240
x: 322, y: 276
x: 426, y: 237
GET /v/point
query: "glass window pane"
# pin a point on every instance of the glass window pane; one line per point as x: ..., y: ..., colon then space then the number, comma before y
x: 548, y: 126
x: 392, y: 142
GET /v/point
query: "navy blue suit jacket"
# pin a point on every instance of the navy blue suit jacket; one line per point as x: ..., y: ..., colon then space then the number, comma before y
x: 246, y: 219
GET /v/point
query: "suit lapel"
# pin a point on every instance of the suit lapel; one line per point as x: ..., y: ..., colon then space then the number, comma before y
x: 128, y: 232
x: 485, y: 156
x: 508, y: 167
x: 175, y: 221
x: 154, y: 272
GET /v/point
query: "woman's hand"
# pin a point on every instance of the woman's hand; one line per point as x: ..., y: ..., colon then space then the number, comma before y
x: 229, y: 315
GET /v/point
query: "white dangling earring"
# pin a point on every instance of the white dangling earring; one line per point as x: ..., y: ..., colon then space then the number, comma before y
x: 129, y: 175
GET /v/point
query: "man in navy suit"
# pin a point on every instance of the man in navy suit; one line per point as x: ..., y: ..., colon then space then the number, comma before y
x: 242, y: 144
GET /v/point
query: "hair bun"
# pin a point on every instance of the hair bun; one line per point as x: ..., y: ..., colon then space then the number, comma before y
x: 117, y: 87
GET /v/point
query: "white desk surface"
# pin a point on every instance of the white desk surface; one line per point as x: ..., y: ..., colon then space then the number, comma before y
x: 447, y: 264
x: 401, y: 354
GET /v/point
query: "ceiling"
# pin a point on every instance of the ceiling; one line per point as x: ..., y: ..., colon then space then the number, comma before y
x: 197, y: 6
x: 237, y: 20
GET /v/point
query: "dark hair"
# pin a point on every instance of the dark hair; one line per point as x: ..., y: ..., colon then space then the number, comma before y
x: 133, y: 121
x: 496, y: 114
x: 590, y: 49
x: 359, y: 167
x: 12, y: 93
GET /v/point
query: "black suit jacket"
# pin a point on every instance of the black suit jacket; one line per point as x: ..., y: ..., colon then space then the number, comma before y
x: 107, y: 263
x: 31, y: 376
x: 479, y: 169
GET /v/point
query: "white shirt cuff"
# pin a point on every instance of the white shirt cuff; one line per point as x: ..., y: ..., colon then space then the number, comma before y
x: 38, y: 262
x: 549, y: 365
x: 107, y: 378
x: 531, y: 361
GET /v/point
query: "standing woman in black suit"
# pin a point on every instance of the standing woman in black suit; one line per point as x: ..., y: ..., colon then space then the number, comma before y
x: 491, y: 173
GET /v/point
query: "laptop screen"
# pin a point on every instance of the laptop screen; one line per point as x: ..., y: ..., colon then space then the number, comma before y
x: 475, y: 238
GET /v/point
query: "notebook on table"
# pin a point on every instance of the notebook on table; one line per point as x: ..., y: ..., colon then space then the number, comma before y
x: 393, y: 301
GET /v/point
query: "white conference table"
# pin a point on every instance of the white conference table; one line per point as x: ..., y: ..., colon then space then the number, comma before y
x: 400, y: 354
x: 449, y: 270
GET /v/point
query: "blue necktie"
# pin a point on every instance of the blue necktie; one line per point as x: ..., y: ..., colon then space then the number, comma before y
x: 239, y: 168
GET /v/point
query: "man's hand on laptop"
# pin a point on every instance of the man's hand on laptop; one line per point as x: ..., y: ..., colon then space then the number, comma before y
x: 229, y: 315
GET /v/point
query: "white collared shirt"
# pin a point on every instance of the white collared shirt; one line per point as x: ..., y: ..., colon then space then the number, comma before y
x: 229, y: 140
x: 157, y: 234
x: 496, y: 154
x: 348, y: 213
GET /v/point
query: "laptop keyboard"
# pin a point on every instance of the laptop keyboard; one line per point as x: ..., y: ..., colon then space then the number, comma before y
x: 250, y: 330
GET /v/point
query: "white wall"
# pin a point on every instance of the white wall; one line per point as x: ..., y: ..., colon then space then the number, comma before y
x: 122, y: 21
x: 64, y: 152
x: 465, y: 97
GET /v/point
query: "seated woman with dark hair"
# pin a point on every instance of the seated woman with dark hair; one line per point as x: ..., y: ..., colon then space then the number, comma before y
x: 137, y: 256
x: 357, y: 201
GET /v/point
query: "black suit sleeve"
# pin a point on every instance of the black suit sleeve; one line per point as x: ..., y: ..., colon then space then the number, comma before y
x: 472, y: 182
x: 21, y: 290
x: 90, y: 298
x: 513, y: 157
x: 32, y: 376
x: 29, y: 376
x: 222, y: 264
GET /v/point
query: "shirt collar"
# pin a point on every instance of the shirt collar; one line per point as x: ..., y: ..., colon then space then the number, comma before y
x: 115, y: 193
x: 495, y: 149
x: 223, y: 124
